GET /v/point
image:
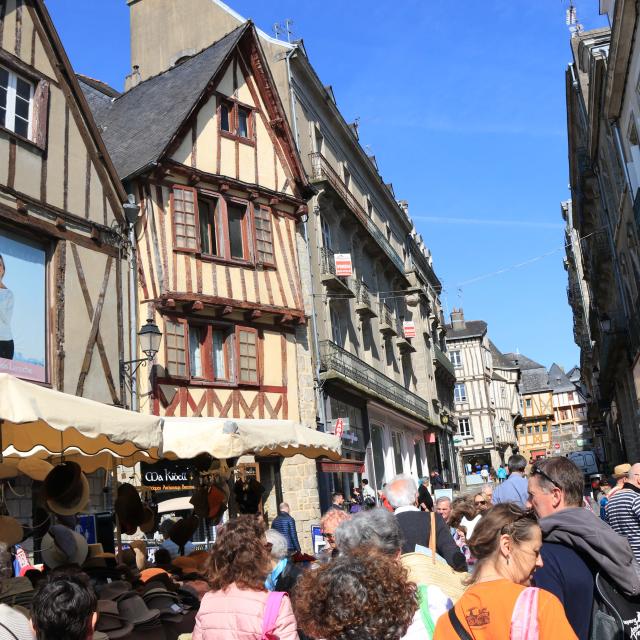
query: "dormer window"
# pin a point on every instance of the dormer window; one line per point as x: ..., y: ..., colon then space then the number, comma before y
x: 244, y: 117
x: 236, y: 120
x: 16, y: 103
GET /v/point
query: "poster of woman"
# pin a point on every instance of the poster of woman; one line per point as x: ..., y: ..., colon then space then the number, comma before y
x: 22, y: 308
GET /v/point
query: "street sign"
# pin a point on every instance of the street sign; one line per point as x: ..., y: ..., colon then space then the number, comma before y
x: 343, y: 264
x: 557, y: 445
x: 409, y: 329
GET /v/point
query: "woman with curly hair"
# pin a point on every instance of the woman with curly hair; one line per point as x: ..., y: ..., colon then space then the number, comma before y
x: 239, y: 605
x: 500, y: 603
x: 364, y: 595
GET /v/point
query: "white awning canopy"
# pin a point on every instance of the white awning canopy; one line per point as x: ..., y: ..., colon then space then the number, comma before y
x: 32, y: 416
x: 230, y: 438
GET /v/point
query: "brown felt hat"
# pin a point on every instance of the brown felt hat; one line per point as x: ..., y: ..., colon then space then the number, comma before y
x: 129, y: 508
x: 148, y: 525
x: 66, y: 489
x: 200, y: 502
x: 183, y: 530
x: 11, y: 531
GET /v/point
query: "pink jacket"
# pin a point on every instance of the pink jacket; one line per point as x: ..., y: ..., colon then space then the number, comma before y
x: 236, y: 614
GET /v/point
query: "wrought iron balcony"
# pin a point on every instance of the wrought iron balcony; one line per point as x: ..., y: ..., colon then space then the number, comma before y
x: 337, y: 285
x: 322, y: 171
x: 365, y: 305
x: 388, y: 324
x: 337, y: 362
x: 440, y: 359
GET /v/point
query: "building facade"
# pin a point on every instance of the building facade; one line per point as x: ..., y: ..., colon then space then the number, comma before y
x: 206, y: 149
x: 376, y: 333
x: 602, y: 108
x: 485, y: 396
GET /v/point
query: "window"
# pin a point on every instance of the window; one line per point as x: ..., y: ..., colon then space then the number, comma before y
x: 503, y: 393
x: 248, y: 356
x: 184, y: 218
x: 545, y: 428
x: 346, y: 176
x: 236, y: 223
x: 570, y: 396
x: 529, y: 430
x: 464, y: 427
x: 521, y: 431
x: 459, y: 392
x: 209, y: 226
x: 537, y: 428
x: 213, y: 353
x: 336, y: 329
x: 236, y: 120
x: 264, y: 237
x: 396, y: 441
x: 369, y: 207
x: 176, y: 357
x: 527, y: 403
x: 418, y: 454
x: 456, y: 358
x: 16, y: 103
x: 319, y: 140
x: 326, y: 233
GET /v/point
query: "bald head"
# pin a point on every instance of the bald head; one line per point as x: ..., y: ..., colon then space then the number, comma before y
x: 284, y: 507
x: 634, y: 475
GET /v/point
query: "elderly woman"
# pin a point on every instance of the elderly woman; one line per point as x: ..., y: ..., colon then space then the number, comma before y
x: 328, y: 525
x: 235, y: 607
x: 506, y: 543
x: 361, y: 595
x: 378, y: 530
x: 284, y: 573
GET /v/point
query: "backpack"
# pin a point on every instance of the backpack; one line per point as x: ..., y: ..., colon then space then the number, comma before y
x: 271, y: 611
x: 614, y: 616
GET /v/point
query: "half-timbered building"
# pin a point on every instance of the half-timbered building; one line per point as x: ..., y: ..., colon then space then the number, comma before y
x: 62, y: 266
x: 207, y: 151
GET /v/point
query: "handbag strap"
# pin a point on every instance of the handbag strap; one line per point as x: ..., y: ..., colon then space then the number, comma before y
x: 432, y: 537
x: 271, y: 611
x: 463, y: 634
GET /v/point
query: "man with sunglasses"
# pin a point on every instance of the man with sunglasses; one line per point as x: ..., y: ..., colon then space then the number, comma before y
x: 576, y: 543
x: 514, y: 488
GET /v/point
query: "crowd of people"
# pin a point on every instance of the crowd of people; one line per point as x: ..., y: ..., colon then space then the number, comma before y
x: 525, y: 559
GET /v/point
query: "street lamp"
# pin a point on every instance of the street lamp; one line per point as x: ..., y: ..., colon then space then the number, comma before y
x: 149, y: 337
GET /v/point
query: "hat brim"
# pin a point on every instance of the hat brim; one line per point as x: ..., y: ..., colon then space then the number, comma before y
x: 35, y: 468
x: 11, y: 531
x: 78, y: 506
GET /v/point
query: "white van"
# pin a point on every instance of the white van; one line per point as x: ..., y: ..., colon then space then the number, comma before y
x: 585, y: 460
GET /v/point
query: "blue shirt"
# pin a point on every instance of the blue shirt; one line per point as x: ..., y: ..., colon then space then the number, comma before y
x: 567, y: 576
x: 513, y: 489
x: 501, y: 473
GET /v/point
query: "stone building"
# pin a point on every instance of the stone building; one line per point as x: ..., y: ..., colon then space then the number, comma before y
x: 602, y: 112
x: 391, y: 391
x: 485, y: 396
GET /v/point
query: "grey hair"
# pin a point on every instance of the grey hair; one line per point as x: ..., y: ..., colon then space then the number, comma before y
x: 279, y: 546
x: 374, y: 528
x: 442, y: 499
x: 401, y: 491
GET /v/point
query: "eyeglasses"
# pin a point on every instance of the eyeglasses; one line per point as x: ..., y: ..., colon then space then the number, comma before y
x: 536, y: 470
x: 328, y: 536
x: 480, y: 501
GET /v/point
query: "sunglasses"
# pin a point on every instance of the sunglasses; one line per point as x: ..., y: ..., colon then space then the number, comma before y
x: 328, y: 536
x: 535, y: 470
x: 480, y: 501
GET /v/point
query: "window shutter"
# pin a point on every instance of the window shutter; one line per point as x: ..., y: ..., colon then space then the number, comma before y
x: 175, y: 349
x: 247, y: 356
x: 40, y: 114
x: 184, y: 205
x: 264, y: 236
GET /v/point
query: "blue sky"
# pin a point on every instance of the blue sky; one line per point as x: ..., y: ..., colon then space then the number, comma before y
x: 463, y: 104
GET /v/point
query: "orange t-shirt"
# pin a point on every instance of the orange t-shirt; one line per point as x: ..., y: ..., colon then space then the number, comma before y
x: 485, y: 611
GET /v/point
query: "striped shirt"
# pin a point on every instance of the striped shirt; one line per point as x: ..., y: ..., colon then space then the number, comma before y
x: 623, y: 515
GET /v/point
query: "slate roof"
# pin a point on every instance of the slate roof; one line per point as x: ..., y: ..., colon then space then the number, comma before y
x: 534, y: 381
x: 138, y: 125
x: 500, y: 361
x: 472, y: 329
x: 559, y: 381
x: 522, y: 362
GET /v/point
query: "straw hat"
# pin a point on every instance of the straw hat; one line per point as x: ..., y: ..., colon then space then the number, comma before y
x: 35, y: 468
x: 7, y: 471
x: 62, y: 546
x: 66, y: 489
x: 422, y: 570
x: 11, y: 531
x: 621, y: 470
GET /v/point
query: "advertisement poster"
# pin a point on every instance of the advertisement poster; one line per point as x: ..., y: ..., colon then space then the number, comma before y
x: 22, y: 308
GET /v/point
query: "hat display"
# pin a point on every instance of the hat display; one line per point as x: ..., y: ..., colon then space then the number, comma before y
x: 182, y: 531
x: 133, y: 609
x: 129, y: 508
x: 621, y: 470
x: 14, y: 625
x: 66, y: 489
x: 35, y: 468
x: 110, y: 622
x: 62, y: 546
x: 200, y: 502
x: 114, y: 590
x: 11, y: 531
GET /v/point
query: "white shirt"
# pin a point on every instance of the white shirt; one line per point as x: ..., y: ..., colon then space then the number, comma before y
x: 367, y: 491
x: 6, y: 313
x: 403, y: 509
x: 470, y: 525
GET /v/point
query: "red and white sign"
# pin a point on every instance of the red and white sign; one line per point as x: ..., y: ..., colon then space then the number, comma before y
x: 557, y: 445
x: 409, y: 329
x: 343, y: 264
x: 339, y: 430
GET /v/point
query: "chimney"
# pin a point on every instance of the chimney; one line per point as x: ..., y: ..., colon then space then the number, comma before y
x: 404, y: 205
x: 133, y: 78
x: 457, y: 319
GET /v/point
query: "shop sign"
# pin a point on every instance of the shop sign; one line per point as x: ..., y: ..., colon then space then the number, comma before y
x: 409, y: 329
x: 343, y: 264
x: 23, y: 314
x: 458, y: 442
x: 340, y: 425
x: 167, y: 475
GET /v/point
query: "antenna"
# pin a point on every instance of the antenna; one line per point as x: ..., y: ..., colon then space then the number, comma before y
x: 277, y: 27
x: 575, y: 27
x: 280, y: 28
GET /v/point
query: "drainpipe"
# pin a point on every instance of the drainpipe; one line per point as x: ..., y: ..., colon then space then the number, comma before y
x: 314, y: 319
x: 131, y: 213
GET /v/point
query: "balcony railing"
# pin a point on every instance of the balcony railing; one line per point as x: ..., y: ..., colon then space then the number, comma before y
x: 387, y: 319
x: 360, y: 374
x: 364, y: 300
x: 328, y: 261
x: 440, y: 358
x: 322, y: 170
x: 336, y: 285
